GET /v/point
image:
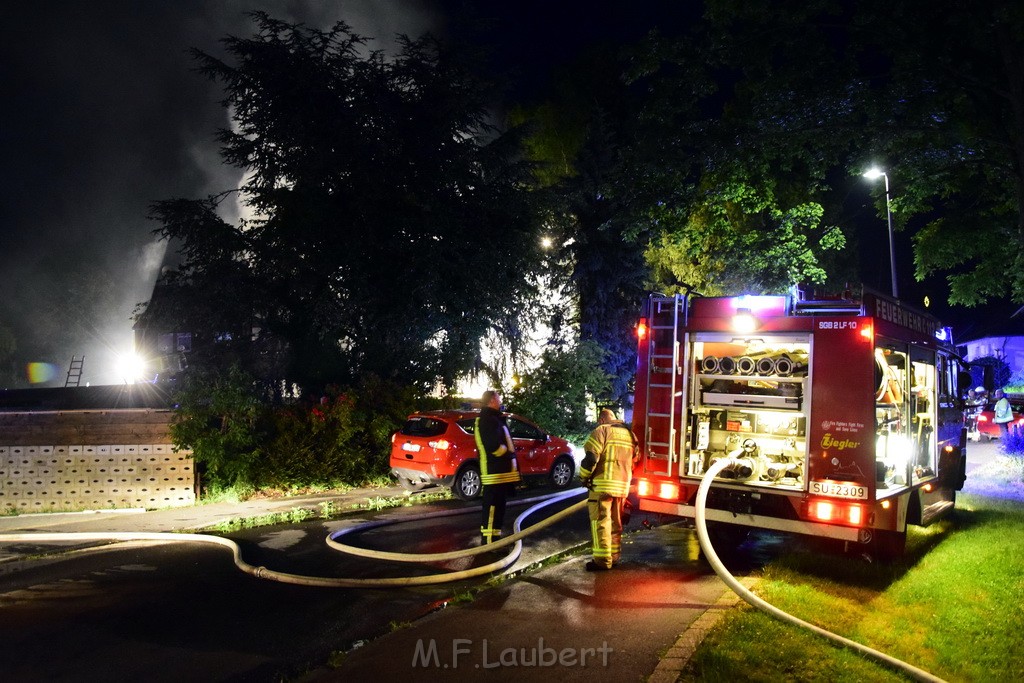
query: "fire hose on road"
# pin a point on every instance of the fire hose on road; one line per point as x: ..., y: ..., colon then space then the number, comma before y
x: 514, y: 540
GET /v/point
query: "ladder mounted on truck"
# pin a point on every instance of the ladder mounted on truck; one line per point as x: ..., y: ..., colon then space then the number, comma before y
x: 665, y: 380
x: 74, y: 371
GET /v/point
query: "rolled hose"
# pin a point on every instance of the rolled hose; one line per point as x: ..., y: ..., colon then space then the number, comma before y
x: 743, y: 592
x: 339, y: 582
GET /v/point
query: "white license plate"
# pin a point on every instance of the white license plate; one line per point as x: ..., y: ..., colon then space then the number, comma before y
x: 839, y: 489
x: 412, y: 447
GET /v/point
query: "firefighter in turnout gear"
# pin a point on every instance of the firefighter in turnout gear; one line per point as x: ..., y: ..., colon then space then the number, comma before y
x: 498, y: 471
x: 607, y: 470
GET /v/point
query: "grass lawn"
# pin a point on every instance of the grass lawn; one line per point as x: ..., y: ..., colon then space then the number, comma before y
x: 954, y: 606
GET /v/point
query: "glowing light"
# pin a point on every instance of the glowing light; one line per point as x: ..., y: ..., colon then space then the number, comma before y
x: 130, y: 367
x: 546, y: 242
x: 643, y: 488
x: 824, y: 510
x: 440, y: 445
x: 873, y: 173
x: 744, y: 322
x: 868, y: 332
x: 855, y: 514
x: 668, y: 491
x: 927, y: 488
x: 886, y: 505
x: 40, y: 372
x: 641, y: 329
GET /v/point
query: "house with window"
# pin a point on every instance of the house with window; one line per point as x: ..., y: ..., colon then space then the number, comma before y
x: 996, y: 337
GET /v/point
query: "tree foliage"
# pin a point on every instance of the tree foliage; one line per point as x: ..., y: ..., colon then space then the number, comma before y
x: 557, y: 393
x: 799, y: 103
x: 392, y: 229
x: 242, y: 441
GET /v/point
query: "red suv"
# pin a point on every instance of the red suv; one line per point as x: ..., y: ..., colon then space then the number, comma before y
x: 437, y: 447
x: 985, y: 424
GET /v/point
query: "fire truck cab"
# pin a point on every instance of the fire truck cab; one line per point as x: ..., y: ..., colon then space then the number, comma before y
x: 841, y: 415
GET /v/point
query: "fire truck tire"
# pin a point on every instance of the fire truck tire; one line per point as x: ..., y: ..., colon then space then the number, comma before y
x: 467, y: 484
x: 562, y: 471
x: 889, y: 545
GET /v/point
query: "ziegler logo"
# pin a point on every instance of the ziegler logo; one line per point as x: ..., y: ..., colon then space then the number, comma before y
x: 828, y: 442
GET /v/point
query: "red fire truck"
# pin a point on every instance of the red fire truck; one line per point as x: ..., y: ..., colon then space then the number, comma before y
x: 842, y: 415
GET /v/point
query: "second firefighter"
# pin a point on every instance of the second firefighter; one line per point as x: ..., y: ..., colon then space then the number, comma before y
x: 607, y: 470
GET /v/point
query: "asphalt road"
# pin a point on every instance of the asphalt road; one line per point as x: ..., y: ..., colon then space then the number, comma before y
x: 175, y: 612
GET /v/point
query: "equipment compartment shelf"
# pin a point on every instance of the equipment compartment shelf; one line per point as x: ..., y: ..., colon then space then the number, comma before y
x: 751, y: 391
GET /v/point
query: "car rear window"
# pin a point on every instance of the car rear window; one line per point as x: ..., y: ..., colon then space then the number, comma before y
x: 424, y: 426
x: 468, y: 424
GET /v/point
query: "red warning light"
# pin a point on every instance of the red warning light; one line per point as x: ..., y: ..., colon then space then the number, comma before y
x: 641, y: 329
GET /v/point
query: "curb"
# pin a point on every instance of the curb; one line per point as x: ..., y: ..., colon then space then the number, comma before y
x: 675, y: 660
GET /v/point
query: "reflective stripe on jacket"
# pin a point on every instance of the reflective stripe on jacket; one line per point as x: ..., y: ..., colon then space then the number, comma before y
x: 494, y: 444
x: 608, y: 464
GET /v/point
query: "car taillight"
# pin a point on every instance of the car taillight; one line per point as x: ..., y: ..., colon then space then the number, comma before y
x: 830, y: 511
x: 439, y: 445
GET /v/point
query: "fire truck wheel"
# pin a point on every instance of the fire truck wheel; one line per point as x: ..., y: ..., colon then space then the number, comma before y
x: 467, y: 485
x: 562, y: 471
x: 889, y: 545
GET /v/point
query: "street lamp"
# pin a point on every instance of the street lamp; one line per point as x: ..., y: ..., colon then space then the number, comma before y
x: 872, y: 174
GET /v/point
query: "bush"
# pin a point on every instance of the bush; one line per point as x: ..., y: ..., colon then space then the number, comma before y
x: 1013, y: 442
x: 1000, y: 371
x: 221, y: 420
x: 241, y: 441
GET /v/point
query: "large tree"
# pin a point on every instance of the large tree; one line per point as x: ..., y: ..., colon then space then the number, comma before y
x: 579, y: 134
x: 801, y: 101
x: 392, y: 228
x: 732, y: 170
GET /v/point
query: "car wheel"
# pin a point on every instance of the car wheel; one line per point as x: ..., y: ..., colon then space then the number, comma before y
x: 410, y: 485
x: 562, y: 471
x: 467, y: 484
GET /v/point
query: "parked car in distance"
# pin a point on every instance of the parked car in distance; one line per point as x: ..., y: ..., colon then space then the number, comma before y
x: 987, y: 429
x: 437, y: 447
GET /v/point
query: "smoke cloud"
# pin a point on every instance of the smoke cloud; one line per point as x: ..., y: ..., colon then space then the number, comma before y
x: 104, y: 115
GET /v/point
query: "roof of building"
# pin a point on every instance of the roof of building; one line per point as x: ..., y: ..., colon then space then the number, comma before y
x: 994, y: 325
x: 109, y: 397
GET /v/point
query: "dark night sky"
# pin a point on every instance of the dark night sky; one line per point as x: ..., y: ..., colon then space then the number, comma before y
x: 103, y: 115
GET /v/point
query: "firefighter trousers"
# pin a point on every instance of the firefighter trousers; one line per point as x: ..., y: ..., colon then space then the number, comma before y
x: 493, y: 498
x: 606, y: 527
